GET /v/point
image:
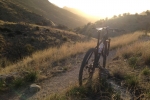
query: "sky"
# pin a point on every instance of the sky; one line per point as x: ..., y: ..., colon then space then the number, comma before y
x: 105, y: 8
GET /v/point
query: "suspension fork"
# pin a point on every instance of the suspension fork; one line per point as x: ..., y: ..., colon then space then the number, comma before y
x: 107, y: 46
x: 97, y: 55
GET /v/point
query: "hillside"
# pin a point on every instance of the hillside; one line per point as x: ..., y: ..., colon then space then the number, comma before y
x: 125, y: 23
x: 38, y: 12
x: 18, y: 40
x: 81, y: 13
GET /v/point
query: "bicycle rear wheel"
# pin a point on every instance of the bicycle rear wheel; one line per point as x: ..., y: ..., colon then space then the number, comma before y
x: 86, y: 69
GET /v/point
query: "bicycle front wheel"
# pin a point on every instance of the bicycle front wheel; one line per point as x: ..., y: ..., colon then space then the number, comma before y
x: 87, y: 69
x: 105, y: 53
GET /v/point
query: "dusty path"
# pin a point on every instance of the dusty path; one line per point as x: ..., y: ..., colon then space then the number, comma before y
x: 51, y: 85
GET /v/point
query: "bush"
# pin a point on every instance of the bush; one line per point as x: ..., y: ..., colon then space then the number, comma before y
x: 148, y: 95
x: 18, y: 82
x: 2, y: 84
x: 60, y: 26
x: 65, y: 39
x: 31, y: 76
x: 131, y: 81
x: 146, y: 71
x: 133, y: 61
x: 77, y: 92
x: 37, y: 28
x: 57, y: 97
x: 29, y: 49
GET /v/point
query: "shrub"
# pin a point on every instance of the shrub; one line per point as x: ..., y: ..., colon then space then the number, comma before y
x: 60, y: 26
x: 146, y: 71
x: 77, y: 92
x: 131, y: 80
x: 1, y: 84
x: 31, y: 76
x: 148, y: 95
x: 57, y: 97
x: 133, y: 61
x: 18, y: 82
x: 29, y: 49
x: 37, y: 28
x: 65, y: 39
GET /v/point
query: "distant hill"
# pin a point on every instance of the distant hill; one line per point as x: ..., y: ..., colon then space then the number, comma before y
x: 18, y: 40
x: 126, y: 23
x: 81, y: 13
x: 38, y: 12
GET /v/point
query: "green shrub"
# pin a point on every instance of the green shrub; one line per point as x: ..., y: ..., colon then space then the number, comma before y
x: 57, y: 97
x: 1, y: 84
x: 131, y: 80
x: 146, y: 71
x: 29, y: 49
x: 37, y: 28
x: 65, y: 39
x: 31, y: 76
x: 148, y: 95
x: 77, y: 92
x: 117, y: 96
x: 133, y: 61
x: 18, y: 82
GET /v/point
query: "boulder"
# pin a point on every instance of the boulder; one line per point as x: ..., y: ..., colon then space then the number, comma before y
x: 34, y: 88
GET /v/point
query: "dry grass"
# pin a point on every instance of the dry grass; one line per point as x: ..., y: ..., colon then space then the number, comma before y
x: 137, y: 77
x: 138, y: 49
x: 125, y: 39
x: 46, y: 57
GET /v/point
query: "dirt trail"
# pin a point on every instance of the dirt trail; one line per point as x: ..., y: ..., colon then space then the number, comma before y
x: 52, y: 85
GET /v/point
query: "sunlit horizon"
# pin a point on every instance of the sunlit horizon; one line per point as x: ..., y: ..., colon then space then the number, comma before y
x: 105, y: 8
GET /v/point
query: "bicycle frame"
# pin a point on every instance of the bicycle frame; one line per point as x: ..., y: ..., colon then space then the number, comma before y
x: 106, y: 44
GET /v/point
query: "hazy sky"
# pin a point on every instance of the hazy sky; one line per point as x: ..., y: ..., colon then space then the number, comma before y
x: 105, y: 8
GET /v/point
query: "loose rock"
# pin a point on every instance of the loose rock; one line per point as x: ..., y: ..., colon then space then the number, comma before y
x: 34, y: 88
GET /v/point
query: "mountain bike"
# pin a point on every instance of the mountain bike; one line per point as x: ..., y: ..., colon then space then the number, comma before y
x: 91, y: 59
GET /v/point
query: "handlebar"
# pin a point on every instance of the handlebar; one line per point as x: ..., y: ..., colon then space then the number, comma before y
x: 106, y: 28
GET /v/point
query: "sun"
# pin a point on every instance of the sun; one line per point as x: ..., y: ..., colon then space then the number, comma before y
x: 105, y: 8
x: 101, y: 8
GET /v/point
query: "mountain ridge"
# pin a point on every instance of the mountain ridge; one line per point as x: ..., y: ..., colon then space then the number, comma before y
x: 27, y: 11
